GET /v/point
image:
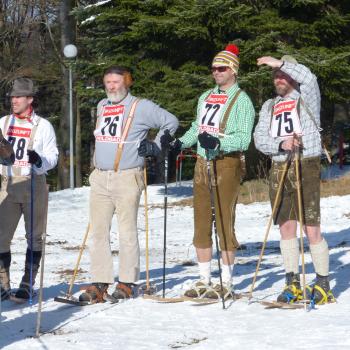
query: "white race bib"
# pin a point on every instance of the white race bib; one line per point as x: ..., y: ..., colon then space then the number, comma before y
x: 110, y: 124
x: 285, y: 120
x: 19, y: 138
x: 210, y: 113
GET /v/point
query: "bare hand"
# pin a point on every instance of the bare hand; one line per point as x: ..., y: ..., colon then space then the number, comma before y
x: 269, y: 61
x: 291, y: 144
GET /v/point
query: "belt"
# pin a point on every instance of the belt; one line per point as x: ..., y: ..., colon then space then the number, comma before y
x: 121, y: 170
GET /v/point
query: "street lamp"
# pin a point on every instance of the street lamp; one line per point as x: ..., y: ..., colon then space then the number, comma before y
x: 70, y: 51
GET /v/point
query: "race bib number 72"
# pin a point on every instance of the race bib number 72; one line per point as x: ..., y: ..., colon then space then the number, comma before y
x: 285, y: 120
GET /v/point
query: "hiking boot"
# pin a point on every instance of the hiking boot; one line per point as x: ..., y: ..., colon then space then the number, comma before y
x: 5, y: 261
x: 197, y: 289
x: 292, y: 291
x: 215, y: 291
x: 321, y: 291
x: 94, y: 293
x: 123, y: 290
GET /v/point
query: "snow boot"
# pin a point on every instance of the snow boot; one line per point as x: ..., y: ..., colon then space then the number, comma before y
x: 292, y: 291
x: 321, y: 291
x: 5, y: 261
x: 94, y: 293
x: 23, y: 292
x: 123, y: 290
x: 197, y: 289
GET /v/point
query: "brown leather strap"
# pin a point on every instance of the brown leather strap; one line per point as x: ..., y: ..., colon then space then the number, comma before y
x: 93, y: 290
x: 227, y: 112
x: 125, y: 290
x: 126, y: 129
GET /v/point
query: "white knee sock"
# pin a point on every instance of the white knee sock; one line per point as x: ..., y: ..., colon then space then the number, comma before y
x: 290, y: 254
x: 204, y: 271
x: 227, y: 272
x: 320, y: 257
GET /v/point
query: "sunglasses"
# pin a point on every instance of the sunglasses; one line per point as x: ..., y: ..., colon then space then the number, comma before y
x: 220, y: 69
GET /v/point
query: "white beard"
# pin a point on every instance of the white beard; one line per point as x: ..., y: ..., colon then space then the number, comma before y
x: 116, y: 97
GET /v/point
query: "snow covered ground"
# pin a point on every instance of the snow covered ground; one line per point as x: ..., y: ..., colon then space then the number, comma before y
x: 143, y: 324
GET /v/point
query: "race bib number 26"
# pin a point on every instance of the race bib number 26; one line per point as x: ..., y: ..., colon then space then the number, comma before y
x: 285, y: 120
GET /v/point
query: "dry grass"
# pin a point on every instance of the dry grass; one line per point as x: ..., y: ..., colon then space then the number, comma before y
x: 258, y: 191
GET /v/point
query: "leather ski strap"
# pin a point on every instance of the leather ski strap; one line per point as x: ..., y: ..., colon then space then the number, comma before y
x: 126, y: 129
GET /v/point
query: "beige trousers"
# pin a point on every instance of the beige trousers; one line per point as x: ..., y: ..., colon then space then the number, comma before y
x: 15, y: 201
x: 117, y: 192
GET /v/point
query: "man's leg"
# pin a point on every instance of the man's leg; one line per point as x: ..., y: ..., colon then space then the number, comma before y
x: 101, y: 213
x: 10, y: 214
x: 34, y: 245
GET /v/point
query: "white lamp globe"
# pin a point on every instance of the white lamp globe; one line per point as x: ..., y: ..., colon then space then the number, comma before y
x: 70, y: 51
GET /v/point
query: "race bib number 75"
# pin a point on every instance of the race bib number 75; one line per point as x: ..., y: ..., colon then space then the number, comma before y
x: 285, y: 120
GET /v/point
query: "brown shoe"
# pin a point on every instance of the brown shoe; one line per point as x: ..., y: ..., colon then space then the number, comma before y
x: 215, y: 292
x: 123, y: 290
x: 94, y: 293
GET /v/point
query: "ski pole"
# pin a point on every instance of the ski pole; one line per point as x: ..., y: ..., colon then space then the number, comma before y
x: 70, y: 289
x: 32, y: 185
x: 300, y: 209
x: 166, y: 153
x: 146, y: 227
x: 38, y: 320
x: 275, y: 204
x: 213, y: 216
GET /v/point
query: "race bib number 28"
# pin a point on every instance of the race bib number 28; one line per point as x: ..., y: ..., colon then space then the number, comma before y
x: 19, y: 138
x: 285, y: 120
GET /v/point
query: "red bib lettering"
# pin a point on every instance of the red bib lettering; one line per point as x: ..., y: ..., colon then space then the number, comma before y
x: 211, y: 112
x: 285, y: 120
x: 110, y: 125
x: 19, y: 138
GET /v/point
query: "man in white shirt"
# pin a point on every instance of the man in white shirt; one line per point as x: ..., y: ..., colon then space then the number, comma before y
x: 34, y: 145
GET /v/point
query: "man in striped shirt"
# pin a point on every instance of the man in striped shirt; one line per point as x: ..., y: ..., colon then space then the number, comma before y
x: 287, y: 124
x: 222, y: 130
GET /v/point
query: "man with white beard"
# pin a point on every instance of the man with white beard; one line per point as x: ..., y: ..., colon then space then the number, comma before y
x: 123, y: 122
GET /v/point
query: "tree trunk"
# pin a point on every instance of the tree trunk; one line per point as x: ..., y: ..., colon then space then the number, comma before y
x: 67, y: 25
x: 78, y: 177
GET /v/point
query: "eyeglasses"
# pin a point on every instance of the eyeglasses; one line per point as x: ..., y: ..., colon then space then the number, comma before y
x: 220, y: 69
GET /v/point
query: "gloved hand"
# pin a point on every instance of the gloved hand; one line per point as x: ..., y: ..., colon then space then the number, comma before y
x: 176, y: 146
x: 148, y: 149
x: 208, y: 141
x: 7, y: 157
x: 166, y: 139
x: 34, y: 158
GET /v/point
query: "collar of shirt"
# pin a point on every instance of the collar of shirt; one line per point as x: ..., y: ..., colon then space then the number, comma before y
x: 34, y: 119
x: 230, y: 91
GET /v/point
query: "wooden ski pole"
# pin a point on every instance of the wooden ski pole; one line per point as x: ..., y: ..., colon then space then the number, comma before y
x: 70, y: 289
x: 301, y: 221
x: 42, y: 268
x: 275, y: 205
x: 146, y: 227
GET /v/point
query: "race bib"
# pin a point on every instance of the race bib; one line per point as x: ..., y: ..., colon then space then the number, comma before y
x: 110, y: 125
x: 285, y: 120
x: 19, y: 138
x: 210, y: 113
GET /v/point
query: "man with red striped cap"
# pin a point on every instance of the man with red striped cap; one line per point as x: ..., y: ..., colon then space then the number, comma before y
x: 222, y: 130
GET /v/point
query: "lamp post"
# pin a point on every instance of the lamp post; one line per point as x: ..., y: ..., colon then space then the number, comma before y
x: 70, y: 51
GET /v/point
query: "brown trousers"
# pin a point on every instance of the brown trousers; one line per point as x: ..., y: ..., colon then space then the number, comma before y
x: 310, y: 191
x: 225, y: 175
x: 15, y: 201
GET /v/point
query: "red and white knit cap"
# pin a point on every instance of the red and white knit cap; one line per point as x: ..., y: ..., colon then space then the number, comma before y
x: 228, y: 57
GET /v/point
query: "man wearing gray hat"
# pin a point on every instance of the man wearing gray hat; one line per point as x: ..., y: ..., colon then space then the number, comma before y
x: 34, y: 153
x: 289, y: 126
